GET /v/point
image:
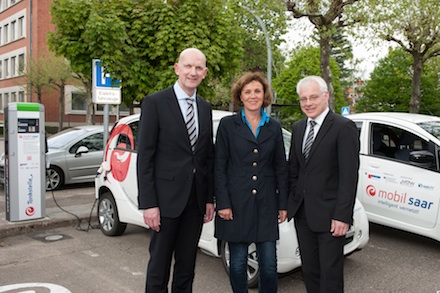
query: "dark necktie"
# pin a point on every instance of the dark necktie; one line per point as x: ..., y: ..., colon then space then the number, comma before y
x: 191, y: 123
x: 309, y: 140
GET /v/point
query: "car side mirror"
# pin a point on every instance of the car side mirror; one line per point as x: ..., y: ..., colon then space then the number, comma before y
x: 81, y: 150
x: 422, y: 158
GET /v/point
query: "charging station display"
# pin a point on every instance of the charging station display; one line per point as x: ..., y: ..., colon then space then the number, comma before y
x: 25, y: 187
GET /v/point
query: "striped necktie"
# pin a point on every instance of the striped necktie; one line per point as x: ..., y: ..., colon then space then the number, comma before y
x: 191, y: 123
x: 309, y: 140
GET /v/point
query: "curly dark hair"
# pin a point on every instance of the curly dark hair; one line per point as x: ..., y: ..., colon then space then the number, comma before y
x: 246, y: 78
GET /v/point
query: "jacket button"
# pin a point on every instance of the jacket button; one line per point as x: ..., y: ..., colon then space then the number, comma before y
x: 254, y: 191
x: 255, y: 151
x: 254, y: 177
x: 254, y: 164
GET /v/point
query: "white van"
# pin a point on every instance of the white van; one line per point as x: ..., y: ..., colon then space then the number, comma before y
x: 399, y: 175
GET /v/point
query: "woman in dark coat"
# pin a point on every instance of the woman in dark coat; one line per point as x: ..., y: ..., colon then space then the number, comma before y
x: 250, y: 176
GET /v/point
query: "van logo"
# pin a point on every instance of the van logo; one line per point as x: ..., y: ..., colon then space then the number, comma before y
x: 371, y: 190
x: 406, y: 182
x: 429, y: 187
x: 372, y: 176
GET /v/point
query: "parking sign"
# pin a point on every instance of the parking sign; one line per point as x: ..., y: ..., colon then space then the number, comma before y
x: 106, y: 90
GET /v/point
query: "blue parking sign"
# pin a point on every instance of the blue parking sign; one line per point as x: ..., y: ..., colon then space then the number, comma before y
x: 345, y: 111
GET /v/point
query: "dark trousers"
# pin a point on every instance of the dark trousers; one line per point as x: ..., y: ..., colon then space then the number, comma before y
x: 322, y: 257
x: 178, y: 236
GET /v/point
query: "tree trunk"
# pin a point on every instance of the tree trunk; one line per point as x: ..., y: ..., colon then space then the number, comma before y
x: 324, y: 44
x: 414, y: 103
x: 39, y: 95
x: 61, y: 114
x: 88, y: 86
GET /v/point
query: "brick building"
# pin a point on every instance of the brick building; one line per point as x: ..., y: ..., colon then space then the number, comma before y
x: 23, y: 35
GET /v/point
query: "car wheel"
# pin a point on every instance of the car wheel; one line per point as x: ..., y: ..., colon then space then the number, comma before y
x: 108, y: 216
x: 54, y: 178
x: 252, y: 263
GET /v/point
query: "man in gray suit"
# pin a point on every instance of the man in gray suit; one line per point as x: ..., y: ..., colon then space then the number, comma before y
x: 323, y: 175
x: 175, y: 173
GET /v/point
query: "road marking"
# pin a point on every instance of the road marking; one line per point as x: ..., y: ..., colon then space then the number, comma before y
x: 32, y: 287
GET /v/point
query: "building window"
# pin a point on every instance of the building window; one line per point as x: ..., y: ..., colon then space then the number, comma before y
x: 21, y: 97
x: 13, y: 97
x: 13, y: 66
x: 6, y: 67
x: 13, y: 27
x: 1, y: 101
x: 6, y: 33
x: 6, y: 98
x: 79, y: 101
x: 1, y: 68
x: 21, y: 27
x: 21, y: 64
x: 1, y: 31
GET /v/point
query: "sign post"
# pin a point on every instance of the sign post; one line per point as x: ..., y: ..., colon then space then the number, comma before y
x: 105, y: 91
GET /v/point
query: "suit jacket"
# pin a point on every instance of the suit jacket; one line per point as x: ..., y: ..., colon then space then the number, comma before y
x: 166, y: 164
x: 250, y: 178
x: 327, y: 183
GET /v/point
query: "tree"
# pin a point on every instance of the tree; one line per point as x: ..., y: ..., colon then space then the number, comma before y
x: 139, y: 41
x: 60, y: 74
x: 329, y: 18
x: 272, y: 13
x: 412, y: 25
x: 305, y: 61
x: 389, y: 87
x: 36, y: 76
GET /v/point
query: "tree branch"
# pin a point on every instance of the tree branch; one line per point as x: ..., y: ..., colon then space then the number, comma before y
x: 393, y: 39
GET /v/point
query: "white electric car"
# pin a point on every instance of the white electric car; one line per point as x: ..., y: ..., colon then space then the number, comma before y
x: 399, y: 176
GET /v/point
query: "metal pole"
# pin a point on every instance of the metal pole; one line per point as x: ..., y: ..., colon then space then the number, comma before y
x: 106, y: 122
x: 269, y: 53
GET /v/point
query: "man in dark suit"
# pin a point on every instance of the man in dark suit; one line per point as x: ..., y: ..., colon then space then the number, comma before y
x: 323, y: 175
x: 175, y: 173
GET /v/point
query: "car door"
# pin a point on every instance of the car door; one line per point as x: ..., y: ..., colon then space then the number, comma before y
x: 124, y: 159
x: 396, y: 188
x: 82, y: 166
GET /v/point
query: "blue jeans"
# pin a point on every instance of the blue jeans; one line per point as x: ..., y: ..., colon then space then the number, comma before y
x: 267, y: 263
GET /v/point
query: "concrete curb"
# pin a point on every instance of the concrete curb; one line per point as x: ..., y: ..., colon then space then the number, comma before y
x: 55, y: 218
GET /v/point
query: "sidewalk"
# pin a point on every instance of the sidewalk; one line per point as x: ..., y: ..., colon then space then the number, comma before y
x: 78, y: 201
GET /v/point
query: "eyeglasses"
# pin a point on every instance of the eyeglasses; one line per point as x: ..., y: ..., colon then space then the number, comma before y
x: 311, y: 99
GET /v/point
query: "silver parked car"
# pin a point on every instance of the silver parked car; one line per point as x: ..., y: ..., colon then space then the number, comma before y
x: 74, y: 155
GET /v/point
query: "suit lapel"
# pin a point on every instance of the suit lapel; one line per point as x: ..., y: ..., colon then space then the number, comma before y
x: 323, y: 130
x: 266, y: 132
x: 175, y: 111
x: 299, y: 142
x: 242, y: 129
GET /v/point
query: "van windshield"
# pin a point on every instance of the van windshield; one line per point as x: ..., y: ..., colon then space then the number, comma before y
x: 432, y: 127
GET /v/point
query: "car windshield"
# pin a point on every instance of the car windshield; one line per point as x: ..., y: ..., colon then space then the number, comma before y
x: 432, y: 127
x: 62, y: 138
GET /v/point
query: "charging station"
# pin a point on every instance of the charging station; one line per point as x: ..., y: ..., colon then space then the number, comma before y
x: 25, y: 150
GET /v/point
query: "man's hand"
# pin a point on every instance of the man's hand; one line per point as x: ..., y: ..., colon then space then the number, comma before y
x: 209, y: 213
x: 152, y: 218
x: 339, y: 228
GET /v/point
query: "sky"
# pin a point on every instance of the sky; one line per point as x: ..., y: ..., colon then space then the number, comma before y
x: 301, y: 29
